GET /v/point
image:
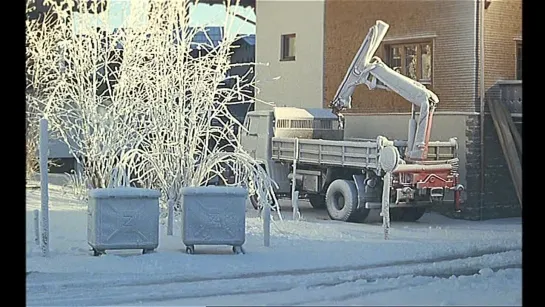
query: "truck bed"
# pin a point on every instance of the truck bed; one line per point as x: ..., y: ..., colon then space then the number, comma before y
x: 355, y: 153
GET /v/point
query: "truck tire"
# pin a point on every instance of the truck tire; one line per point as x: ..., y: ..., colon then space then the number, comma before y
x: 359, y: 215
x: 411, y: 214
x: 341, y: 200
x: 317, y: 201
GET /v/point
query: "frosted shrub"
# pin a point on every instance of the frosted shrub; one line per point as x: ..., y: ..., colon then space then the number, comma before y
x: 77, y: 185
x: 139, y: 101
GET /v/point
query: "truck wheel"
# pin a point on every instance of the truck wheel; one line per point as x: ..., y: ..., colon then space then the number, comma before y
x: 317, y: 201
x: 341, y: 200
x: 359, y: 215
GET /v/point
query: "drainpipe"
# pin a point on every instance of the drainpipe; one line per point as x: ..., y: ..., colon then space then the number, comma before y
x: 482, y: 102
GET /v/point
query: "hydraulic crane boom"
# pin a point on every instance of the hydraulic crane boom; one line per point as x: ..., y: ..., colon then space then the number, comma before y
x: 368, y: 69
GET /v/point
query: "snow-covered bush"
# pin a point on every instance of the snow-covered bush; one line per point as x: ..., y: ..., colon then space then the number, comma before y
x: 144, y: 100
x: 82, y: 107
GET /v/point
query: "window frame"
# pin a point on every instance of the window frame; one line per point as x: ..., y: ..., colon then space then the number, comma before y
x: 402, y: 44
x: 284, y: 47
x: 518, y: 44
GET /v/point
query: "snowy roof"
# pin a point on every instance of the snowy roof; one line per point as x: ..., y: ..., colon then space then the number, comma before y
x: 250, y: 39
x: 300, y: 113
x: 212, y: 37
x: 247, y: 38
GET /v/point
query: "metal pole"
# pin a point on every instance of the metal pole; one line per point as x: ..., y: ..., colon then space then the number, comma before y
x: 44, y: 186
x: 37, y: 227
x: 170, y: 219
x: 482, y: 105
x: 267, y: 225
x: 295, y: 194
x: 295, y: 204
x: 386, y: 205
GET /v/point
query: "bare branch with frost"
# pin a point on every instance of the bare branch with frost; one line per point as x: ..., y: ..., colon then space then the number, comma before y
x: 141, y: 101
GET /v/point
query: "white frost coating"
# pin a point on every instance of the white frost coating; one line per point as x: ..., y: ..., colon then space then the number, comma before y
x: 126, y: 192
x: 44, y: 186
x: 154, y: 110
x: 266, y: 216
x: 296, y: 214
x: 83, y: 108
x: 119, y: 177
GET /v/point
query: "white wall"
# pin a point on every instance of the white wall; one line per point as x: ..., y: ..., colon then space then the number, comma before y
x: 301, y: 81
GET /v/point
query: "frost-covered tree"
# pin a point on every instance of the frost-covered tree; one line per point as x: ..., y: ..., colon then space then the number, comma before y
x: 190, y: 135
x: 70, y: 87
x: 145, y: 99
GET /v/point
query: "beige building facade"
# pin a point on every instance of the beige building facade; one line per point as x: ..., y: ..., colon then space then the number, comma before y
x: 308, y: 46
x: 297, y: 82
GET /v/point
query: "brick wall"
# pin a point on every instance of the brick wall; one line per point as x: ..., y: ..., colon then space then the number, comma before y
x: 502, y: 26
x: 450, y: 24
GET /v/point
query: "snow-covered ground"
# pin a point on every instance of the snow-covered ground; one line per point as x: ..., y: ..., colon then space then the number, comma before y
x: 316, y: 261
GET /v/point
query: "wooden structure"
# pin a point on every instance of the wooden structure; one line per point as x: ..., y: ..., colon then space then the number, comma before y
x: 510, y: 141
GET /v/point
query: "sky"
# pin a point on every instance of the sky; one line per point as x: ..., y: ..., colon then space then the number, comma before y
x: 202, y: 15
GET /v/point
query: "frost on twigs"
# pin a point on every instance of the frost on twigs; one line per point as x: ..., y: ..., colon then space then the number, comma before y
x: 67, y: 78
x: 144, y: 99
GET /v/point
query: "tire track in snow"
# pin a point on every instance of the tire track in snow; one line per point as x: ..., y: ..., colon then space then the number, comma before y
x: 216, y: 288
x: 426, y: 272
x: 284, y: 298
x: 362, y: 293
x: 317, y: 292
x: 178, y: 278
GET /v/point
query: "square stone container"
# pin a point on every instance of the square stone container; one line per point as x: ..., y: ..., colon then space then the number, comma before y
x: 123, y: 218
x: 214, y: 215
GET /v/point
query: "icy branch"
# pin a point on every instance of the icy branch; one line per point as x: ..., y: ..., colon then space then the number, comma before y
x: 144, y: 101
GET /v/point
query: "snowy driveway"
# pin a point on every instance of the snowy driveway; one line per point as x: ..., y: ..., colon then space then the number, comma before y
x: 437, y: 261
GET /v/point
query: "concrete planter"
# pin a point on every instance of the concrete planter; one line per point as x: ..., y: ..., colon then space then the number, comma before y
x: 214, y: 216
x: 123, y: 218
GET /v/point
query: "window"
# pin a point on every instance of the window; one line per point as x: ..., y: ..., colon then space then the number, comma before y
x: 283, y: 123
x: 323, y: 124
x: 519, y: 61
x: 301, y: 123
x: 413, y: 60
x: 287, y: 47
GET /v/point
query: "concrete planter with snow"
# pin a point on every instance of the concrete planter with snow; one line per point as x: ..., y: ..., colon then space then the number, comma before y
x: 123, y: 218
x: 214, y: 215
